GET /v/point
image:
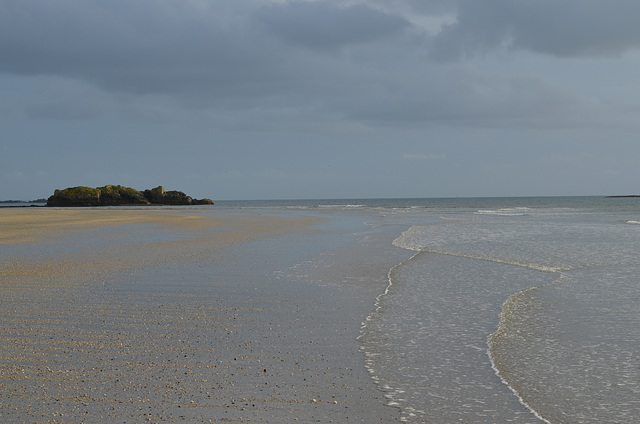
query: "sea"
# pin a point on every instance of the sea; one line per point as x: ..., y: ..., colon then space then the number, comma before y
x: 499, y: 310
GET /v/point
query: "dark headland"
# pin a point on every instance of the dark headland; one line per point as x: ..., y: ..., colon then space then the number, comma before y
x: 117, y: 195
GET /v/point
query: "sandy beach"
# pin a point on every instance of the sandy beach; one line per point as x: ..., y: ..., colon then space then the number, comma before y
x: 183, y: 315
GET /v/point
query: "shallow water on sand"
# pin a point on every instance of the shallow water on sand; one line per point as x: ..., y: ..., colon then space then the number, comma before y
x: 430, y: 354
x: 516, y: 310
x: 168, y: 326
x: 543, y: 295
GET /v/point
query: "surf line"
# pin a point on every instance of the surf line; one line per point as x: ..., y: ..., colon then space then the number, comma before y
x: 378, y: 306
x: 383, y: 387
x: 535, y: 267
x: 541, y: 268
x: 490, y: 338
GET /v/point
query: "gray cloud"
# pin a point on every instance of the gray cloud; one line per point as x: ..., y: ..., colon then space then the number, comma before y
x: 206, y: 55
x: 459, y: 95
x: 219, y: 48
x: 301, y: 62
x: 560, y: 28
x: 142, y: 46
x: 327, y: 26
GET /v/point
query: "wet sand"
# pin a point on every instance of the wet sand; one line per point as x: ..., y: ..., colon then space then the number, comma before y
x: 178, y: 315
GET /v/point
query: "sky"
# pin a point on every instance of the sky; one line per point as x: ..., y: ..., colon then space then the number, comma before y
x: 298, y: 99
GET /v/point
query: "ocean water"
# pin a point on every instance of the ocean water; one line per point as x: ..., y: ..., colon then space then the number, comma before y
x: 505, y: 310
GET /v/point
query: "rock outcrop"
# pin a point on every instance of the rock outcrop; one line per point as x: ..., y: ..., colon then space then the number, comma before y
x: 75, y: 196
x: 158, y: 195
x: 118, y: 195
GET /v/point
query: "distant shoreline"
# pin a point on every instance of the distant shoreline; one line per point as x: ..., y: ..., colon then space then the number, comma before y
x: 38, y: 203
x: 13, y: 205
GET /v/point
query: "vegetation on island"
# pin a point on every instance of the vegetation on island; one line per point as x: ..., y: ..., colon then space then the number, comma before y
x: 117, y: 195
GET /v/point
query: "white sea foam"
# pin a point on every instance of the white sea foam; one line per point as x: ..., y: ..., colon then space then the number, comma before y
x: 521, y: 211
x: 346, y: 206
x: 414, y: 239
x: 408, y: 241
x: 534, y: 266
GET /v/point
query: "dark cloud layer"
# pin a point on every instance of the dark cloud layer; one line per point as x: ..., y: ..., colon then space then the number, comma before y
x: 141, y: 46
x: 149, y: 45
x: 356, y: 61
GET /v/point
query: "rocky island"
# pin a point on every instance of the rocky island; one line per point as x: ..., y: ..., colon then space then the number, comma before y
x: 117, y: 195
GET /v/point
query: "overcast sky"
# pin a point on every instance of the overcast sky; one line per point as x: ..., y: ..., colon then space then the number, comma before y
x: 262, y: 99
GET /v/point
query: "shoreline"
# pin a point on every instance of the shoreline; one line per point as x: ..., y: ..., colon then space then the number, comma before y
x: 181, y: 315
